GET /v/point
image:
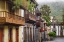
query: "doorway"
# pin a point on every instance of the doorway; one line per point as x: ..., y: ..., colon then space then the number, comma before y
x: 17, y: 34
x: 1, y: 34
x: 10, y: 34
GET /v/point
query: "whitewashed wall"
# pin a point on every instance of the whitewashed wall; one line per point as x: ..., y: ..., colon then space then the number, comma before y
x: 6, y: 38
x: 21, y: 33
x: 57, y: 30
x: 14, y: 34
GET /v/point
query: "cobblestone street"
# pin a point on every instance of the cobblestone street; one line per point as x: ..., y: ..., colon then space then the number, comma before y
x: 58, y: 39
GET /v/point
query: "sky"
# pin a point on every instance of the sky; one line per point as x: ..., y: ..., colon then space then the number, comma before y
x: 41, y: 1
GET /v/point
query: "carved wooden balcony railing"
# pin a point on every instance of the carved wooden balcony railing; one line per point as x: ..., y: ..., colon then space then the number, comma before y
x: 6, y: 17
x: 30, y: 17
x: 38, y: 22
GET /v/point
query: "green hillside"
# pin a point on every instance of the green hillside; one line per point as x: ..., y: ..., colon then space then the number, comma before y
x: 56, y: 9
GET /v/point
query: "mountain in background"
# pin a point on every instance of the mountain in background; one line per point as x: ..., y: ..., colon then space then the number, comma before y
x: 56, y: 9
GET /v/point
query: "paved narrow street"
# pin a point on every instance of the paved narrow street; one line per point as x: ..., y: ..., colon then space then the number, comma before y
x: 58, y: 39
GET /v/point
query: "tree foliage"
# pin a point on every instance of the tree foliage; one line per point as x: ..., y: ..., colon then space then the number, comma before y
x: 47, y: 20
x: 63, y: 15
x: 31, y: 5
x: 45, y: 10
x: 17, y: 3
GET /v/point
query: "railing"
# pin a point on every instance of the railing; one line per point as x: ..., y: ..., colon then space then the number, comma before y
x: 38, y: 23
x: 14, y: 18
x: 32, y: 16
x: 3, y: 14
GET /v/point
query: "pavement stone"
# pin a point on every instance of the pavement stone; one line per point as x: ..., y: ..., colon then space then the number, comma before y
x: 58, y: 39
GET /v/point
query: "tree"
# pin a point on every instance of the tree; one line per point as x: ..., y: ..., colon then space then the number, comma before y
x: 47, y: 20
x: 63, y: 15
x: 45, y: 10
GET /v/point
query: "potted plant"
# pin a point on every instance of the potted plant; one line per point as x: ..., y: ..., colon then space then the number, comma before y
x: 52, y: 35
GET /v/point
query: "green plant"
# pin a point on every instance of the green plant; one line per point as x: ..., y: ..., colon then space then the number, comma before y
x: 45, y: 10
x: 47, y: 20
x: 31, y: 6
x: 52, y: 34
x: 17, y: 3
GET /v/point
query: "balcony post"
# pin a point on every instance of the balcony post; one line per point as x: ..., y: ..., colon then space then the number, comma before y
x: 14, y: 34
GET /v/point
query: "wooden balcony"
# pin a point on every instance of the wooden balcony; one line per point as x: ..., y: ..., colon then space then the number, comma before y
x: 38, y: 13
x: 38, y: 23
x: 7, y: 18
x: 30, y: 17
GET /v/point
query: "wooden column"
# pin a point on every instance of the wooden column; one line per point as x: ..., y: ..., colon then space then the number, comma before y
x: 58, y: 30
x: 61, y: 31
x: 31, y: 34
x: 13, y: 34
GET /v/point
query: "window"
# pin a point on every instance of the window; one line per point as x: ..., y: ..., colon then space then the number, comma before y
x: 10, y: 8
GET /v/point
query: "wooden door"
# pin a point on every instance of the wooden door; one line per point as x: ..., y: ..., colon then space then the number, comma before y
x: 17, y: 34
x: 10, y: 34
x: 61, y: 32
x: 1, y: 35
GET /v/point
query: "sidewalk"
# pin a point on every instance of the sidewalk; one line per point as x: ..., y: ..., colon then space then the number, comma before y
x: 49, y: 41
x: 58, y: 39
